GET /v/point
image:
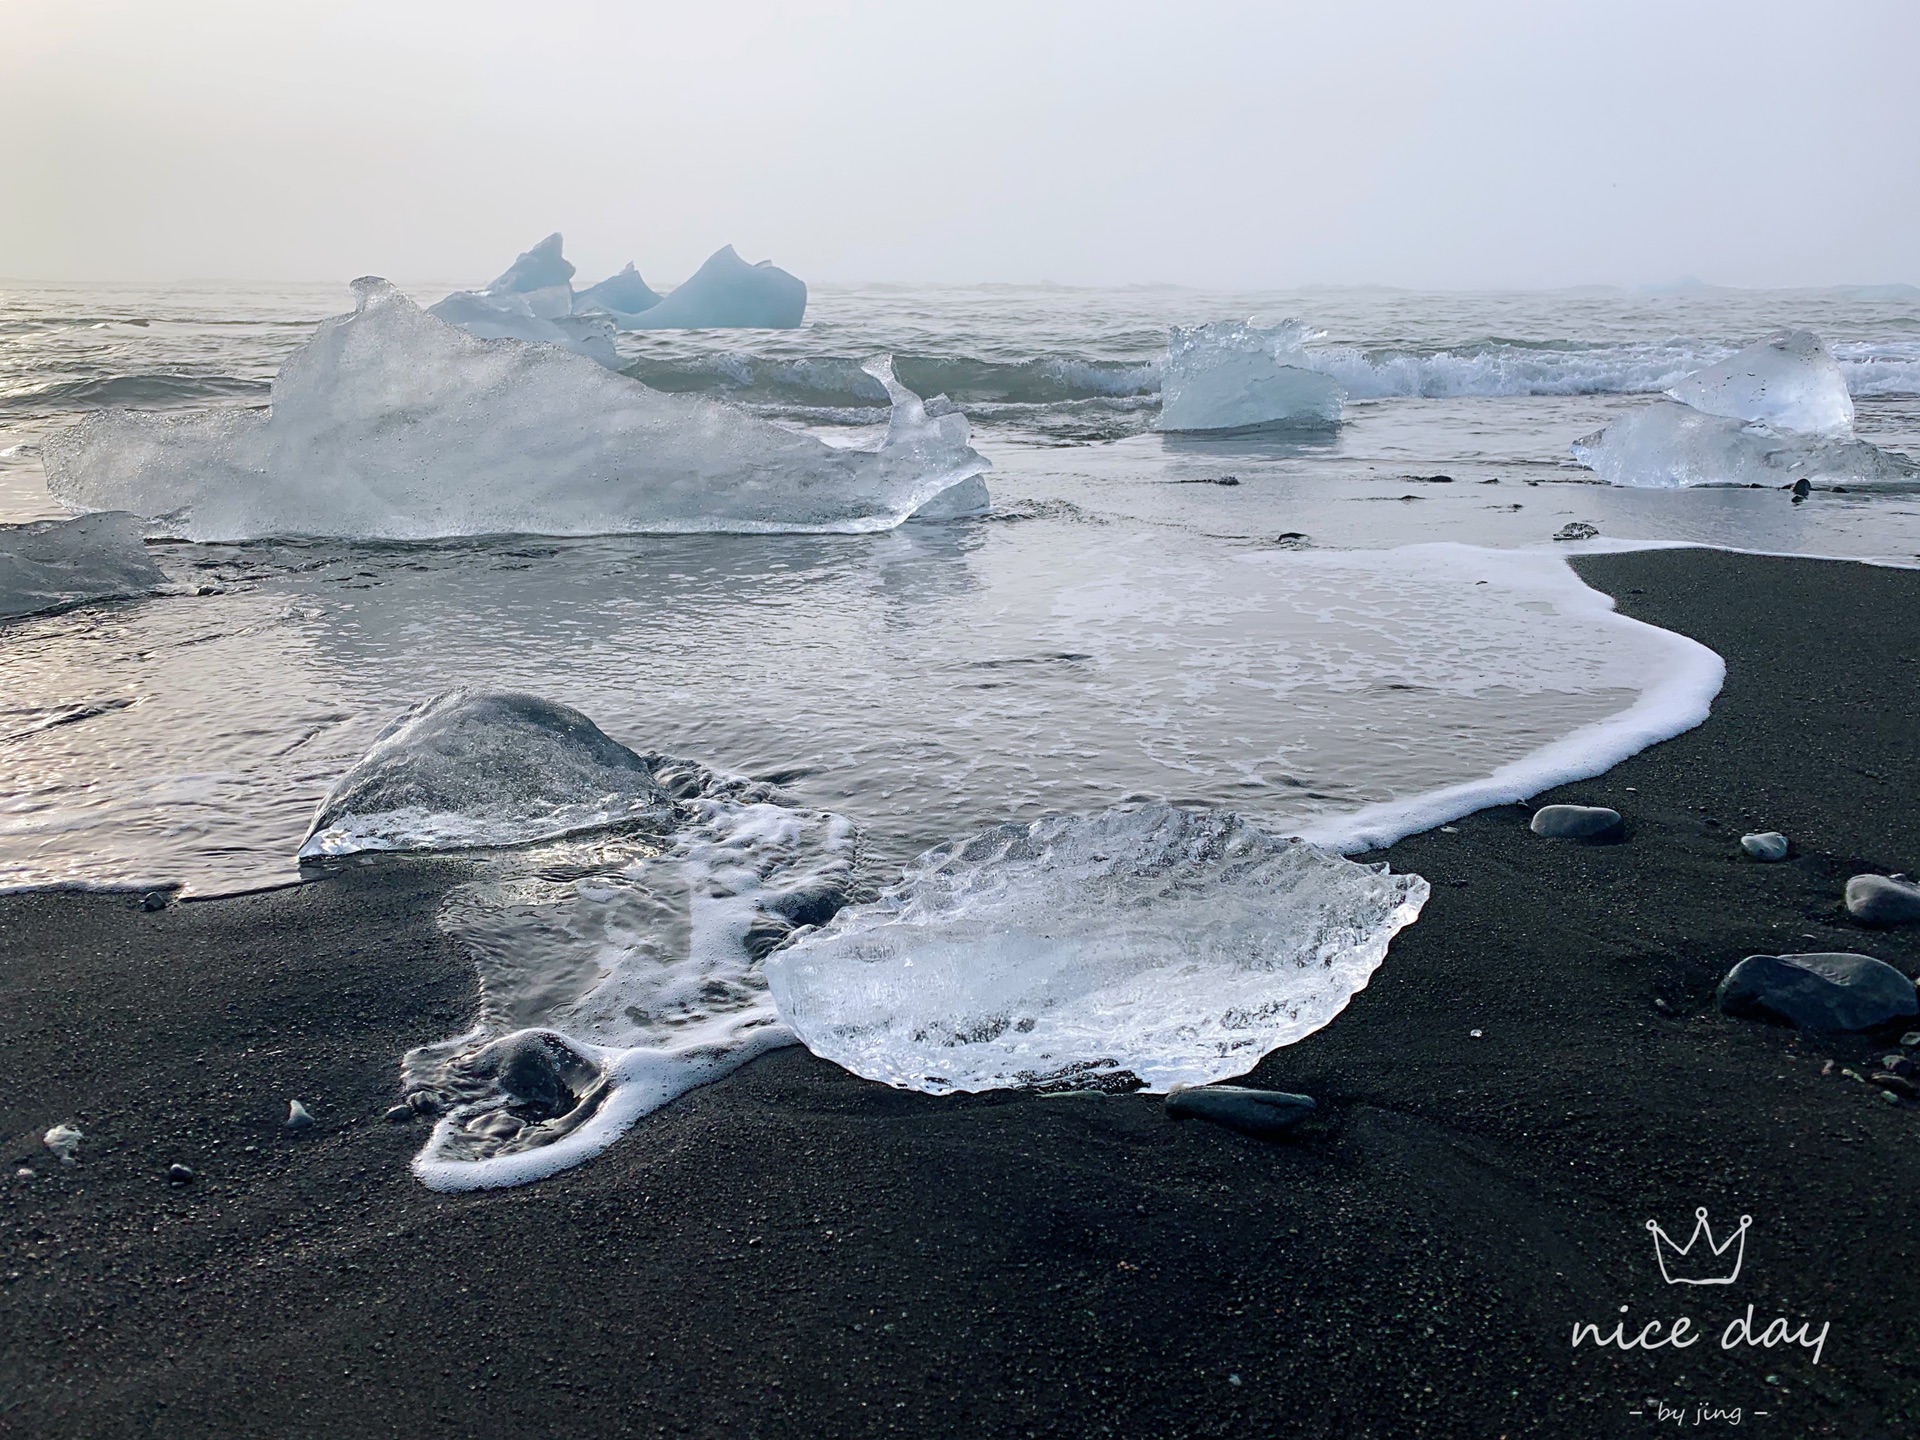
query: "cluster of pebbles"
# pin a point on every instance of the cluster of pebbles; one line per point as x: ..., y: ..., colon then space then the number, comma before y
x: 1830, y: 992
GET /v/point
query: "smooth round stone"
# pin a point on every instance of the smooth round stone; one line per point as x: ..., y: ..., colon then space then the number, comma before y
x: 1818, y: 992
x: 1882, y: 900
x: 1575, y: 822
x: 179, y: 1175
x: 1768, y: 845
x: 1261, y: 1113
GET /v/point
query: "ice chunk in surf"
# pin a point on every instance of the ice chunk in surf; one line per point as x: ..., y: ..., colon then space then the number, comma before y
x: 1238, y: 376
x: 391, y: 424
x: 1143, y: 945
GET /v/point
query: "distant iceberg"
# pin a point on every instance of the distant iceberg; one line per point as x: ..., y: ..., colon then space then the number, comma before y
x: 57, y: 564
x: 1238, y: 376
x: 1140, y: 947
x: 392, y: 424
x: 1771, y: 414
x: 625, y: 293
x: 726, y: 293
x: 534, y: 299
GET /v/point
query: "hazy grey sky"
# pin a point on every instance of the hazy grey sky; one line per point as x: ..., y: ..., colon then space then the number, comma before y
x: 1446, y: 144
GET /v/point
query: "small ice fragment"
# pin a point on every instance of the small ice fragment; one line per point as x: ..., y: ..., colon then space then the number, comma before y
x: 1788, y: 381
x: 297, y: 1116
x: 1475, y: 1034
x: 63, y: 1141
x: 1236, y: 376
x: 468, y: 769
x: 1767, y: 845
x: 57, y: 564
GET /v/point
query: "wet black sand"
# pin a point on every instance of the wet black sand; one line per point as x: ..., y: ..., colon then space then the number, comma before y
x: 797, y: 1252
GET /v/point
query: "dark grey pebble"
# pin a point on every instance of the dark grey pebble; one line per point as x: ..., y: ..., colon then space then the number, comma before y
x: 179, y: 1175
x: 1818, y: 992
x: 1576, y: 530
x: 154, y: 900
x: 297, y: 1116
x: 399, y: 1114
x: 1575, y: 822
x: 1898, y: 1084
x: 1261, y: 1113
x: 1882, y: 900
x: 1896, y: 1064
x: 425, y: 1102
x: 1293, y: 540
x: 1768, y: 845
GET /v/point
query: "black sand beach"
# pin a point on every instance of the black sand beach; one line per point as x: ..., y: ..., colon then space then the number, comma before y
x: 1535, y: 1071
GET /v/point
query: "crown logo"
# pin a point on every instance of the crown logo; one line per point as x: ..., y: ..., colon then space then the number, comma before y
x: 1712, y: 1258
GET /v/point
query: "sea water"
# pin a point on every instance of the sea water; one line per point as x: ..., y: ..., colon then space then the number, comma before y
x: 1347, y: 634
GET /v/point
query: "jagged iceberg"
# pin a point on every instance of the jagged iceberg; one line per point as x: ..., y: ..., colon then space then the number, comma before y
x: 1237, y: 376
x: 57, y: 564
x: 625, y: 293
x: 726, y: 293
x: 469, y: 769
x: 1788, y: 381
x: 1141, y: 945
x: 1771, y: 414
x: 391, y: 424
x: 533, y: 299
x: 615, y: 970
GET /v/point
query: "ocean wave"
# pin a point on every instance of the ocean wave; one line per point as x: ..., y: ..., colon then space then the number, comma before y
x: 136, y: 392
x: 837, y: 382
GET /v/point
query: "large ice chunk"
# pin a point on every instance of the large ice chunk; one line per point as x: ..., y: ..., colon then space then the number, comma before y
x: 625, y: 293
x: 1667, y: 445
x: 727, y: 292
x: 1142, y: 944
x: 1787, y: 382
x: 542, y: 275
x: 509, y: 317
x: 56, y: 564
x: 1238, y: 376
x: 390, y: 423
x: 469, y: 769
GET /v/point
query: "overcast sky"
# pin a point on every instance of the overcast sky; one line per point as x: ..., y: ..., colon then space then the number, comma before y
x: 1439, y: 143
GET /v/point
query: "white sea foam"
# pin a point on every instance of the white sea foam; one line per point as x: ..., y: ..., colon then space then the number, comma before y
x: 391, y: 424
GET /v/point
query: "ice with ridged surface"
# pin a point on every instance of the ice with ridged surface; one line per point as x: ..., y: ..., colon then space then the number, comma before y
x: 57, y: 564
x: 1667, y: 445
x: 542, y: 276
x: 392, y: 424
x: 1788, y: 381
x: 1235, y: 375
x: 1144, y: 945
x: 468, y: 769
x: 727, y: 293
x: 511, y: 318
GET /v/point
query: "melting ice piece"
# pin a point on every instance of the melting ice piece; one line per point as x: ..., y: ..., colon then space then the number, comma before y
x: 727, y: 292
x: 391, y: 424
x: 625, y: 293
x: 1787, y: 382
x: 56, y: 564
x: 468, y: 769
x: 1143, y: 945
x: 1667, y: 445
x: 1237, y: 376
x: 617, y: 973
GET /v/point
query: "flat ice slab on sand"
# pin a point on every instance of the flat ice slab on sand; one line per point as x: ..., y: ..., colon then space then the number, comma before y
x: 56, y: 564
x: 1788, y: 381
x: 1238, y: 376
x: 466, y: 769
x: 391, y: 424
x: 1144, y: 945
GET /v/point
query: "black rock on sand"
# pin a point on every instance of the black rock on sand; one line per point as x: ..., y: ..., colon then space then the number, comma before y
x: 1537, y: 1070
